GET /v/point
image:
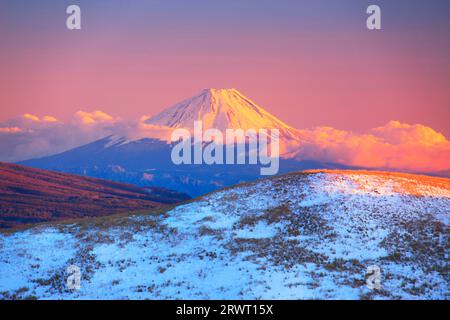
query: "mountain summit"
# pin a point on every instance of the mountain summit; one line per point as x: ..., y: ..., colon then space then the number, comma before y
x: 220, y: 109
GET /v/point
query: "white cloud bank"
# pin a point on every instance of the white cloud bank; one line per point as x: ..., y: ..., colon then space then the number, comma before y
x: 396, y: 146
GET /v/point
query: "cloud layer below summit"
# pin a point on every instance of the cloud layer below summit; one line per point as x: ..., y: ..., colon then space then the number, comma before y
x: 394, y: 146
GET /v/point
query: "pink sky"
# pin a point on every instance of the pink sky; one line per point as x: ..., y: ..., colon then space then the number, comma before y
x: 348, y: 78
x: 313, y: 64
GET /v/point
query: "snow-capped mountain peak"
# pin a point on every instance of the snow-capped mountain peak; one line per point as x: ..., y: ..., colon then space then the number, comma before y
x: 220, y: 109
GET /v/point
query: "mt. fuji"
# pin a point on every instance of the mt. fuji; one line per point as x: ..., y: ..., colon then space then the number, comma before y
x: 221, y: 109
x: 144, y: 158
x: 224, y: 109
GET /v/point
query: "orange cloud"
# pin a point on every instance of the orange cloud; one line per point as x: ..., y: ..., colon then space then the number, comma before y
x: 94, y: 117
x: 31, y: 117
x: 35, y: 118
x: 49, y: 119
x: 10, y: 130
x: 401, y: 133
x: 396, y: 146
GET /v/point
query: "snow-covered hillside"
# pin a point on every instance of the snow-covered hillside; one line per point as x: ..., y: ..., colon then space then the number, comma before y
x: 300, y: 236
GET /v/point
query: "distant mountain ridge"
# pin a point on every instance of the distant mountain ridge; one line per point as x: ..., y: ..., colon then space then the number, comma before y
x: 147, y: 162
x: 29, y: 195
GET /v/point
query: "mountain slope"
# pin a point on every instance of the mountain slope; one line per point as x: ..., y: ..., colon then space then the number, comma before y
x: 147, y: 163
x: 310, y: 235
x: 220, y: 109
x: 29, y: 195
x: 224, y: 109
